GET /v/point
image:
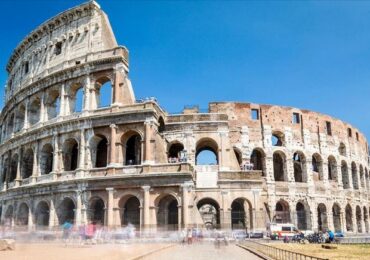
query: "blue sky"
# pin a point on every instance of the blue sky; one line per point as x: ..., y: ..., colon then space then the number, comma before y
x: 308, y: 54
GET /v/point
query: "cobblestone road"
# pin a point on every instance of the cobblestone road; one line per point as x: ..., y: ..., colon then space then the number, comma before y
x: 205, y: 251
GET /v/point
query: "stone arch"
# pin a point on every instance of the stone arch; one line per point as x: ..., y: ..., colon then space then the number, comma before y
x: 302, y: 215
x: 131, y: 148
x: 46, y: 159
x: 317, y: 167
x: 280, y: 170
x: 104, y: 92
x: 258, y: 159
x: 6, y: 170
x: 99, y: 151
x: 206, y: 144
x: 366, y: 219
x: 238, y: 156
x: 209, y: 210
x: 241, y: 214
x: 342, y: 149
x: 282, y: 212
x: 9, y: 215
x: 42, y: 214
x: 337, y: 220
x: 175, y: 152
x: 70, y: 154
x: 359, y: 219
x: 332, y: 168
x: 300, y: 167
x: 34, y: 111
x: 277, y: 138
x: 354, y: 176
x: 76, y: 97
x: 66, y: 211
x: 10, y: 125
x: 322, y: 217
x: 167, y: 214
x: 27, y: 163
x: 13, y: 168
x: 345, y: 175
x: 96, y: 212
x: 52, y: 104
x: 362, y: 177
x: 130, y: 206
x: 161, y: 125
x: 349, y: 223
x: 22, y: 214
x: 19, y: 118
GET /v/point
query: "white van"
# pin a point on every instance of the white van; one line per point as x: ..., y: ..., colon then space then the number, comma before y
x: 276, y: 230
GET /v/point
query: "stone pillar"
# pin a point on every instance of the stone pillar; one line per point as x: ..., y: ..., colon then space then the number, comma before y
x: 36, y: 162
x: 63, y: 105
x: 148, y: 149
x: 56, y: 152
x: 110, y: 206
x: 87, y: 98
x: 52, y: 214
x: 26, y: 123
x: 81, y: 161
x: 343, y: 220
x: 78, y: 207
x: 146, y: 206
x: 30, y: 219
x: 18, y: 178
x: 42, y: 108
x: 186, y: 188
x: 112, y: 145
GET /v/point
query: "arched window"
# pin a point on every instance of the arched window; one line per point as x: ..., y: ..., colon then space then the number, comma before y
x: 175, y: 153
x: 99, y: 151
x: 299, y: 163
x: 53, y: 104
x: 258, y: 160
x: 13, y: 168
x: 238, y: 155
x: 332, y: 168
x: 79, y: 100
x: 277, y: 139
x: 317, y: 167
x: 345, y: 177
x: 362, y: 177
x: 19, y: 120
x: 342, y: 149
x: 161, y: 127
x: 34, y: 111
x: 70, y: 154
x: 104, y: 92
x: 354, y: 176
x: 206, y: 152
x: 279, y: 167
x: 27, y: 163
x: 282, y: 212
x: 132, y: 148
x: 46, y: 159
x: 10, y: 126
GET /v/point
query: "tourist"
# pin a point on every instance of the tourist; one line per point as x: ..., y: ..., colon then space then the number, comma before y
x: 67, y: 228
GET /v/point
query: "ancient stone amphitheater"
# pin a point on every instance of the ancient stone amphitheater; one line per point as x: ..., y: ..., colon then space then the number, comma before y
x: 66, y: 154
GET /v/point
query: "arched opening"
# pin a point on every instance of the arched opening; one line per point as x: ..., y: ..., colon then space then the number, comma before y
x: 99, y: 151
x: 46, y: 159
x: 96, y: 211
x: 132, y: 149
x: 19, y: 118
x: 206, y: 152
x: 104, y: 92
x: 349, y: 223
x: 77, y: 98
x: 279, y: 166
x: 362, y: 178
x: 5, y: 170
x: 332, y: 168
x: 282, y: 212
x: 258, y: 160
x: 13, y: 168
x: 210, y: 213
x: 66, y: 211
x: 317, y: 167
x: 10, y: 126
x: 277, y: 139
x: 337, y: 218
x: 238, y: 156
x: 22, y: 216
x: 52, y: 104
x: 354, y: 176
x: 366, y: 220
x: 301, y: 216
x: 167, y: 215
x: 70, y: 154
x: 27, y: 164
x: 130, y: 212
x: 9, y: 216
x: 359, y: 219
x: 161, y: 125
x: 34, y: 111
x: 175, y: 152
x: 342, y: 149
x: 345, y: 177
x: 42, y: 214
x: 241, y: 214
x: 299, y: 163
x: 322, y: 219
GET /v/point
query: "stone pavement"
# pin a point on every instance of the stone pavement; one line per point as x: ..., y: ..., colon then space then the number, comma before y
x: 204, y: 251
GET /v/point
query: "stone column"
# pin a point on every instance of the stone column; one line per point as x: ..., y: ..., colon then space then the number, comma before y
x: 78, y: 206
x: 81, y: 161
x: 36, y: 162
x: 26, y: 123
x: 42, y: 108
x: 30, y: 219
x: 87, y: 98
x: 56, y: 152
x: 110, y: 207
x: 52, y: 214
x: 146, y: 207
x: 112, y: 145
x: 185, y: 204
x: 148, y: 149
x: 62, y: 110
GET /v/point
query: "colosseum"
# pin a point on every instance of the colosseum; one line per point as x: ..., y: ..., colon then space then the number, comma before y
x: 68, y: 155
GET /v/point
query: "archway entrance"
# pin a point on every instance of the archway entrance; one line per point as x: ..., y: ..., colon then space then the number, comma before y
x: 97, y: 211
x: 66, y: 211
x: 42, y: 214
x: 359, y: 219
x: 210, y: 213
x: 282, y: 212
x: 131, y: 212
x: 167, y: 215
x: 322, y: 220
x: 337, y: 218
x: 349, y: 223
x: 22, y: 216
x: 241, y: 212
x: 9, y: 216
x: 301, y: 216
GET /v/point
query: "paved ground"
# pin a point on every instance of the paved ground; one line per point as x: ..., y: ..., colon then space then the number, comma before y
x: 204, y: 251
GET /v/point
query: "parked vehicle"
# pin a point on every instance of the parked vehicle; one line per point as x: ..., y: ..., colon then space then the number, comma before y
x: 278, y: 231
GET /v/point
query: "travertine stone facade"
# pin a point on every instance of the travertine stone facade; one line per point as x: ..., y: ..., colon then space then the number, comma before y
x: 65, y: 157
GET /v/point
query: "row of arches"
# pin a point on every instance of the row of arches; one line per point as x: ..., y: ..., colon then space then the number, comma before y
x: 46, y: 106
x: 302, y: 216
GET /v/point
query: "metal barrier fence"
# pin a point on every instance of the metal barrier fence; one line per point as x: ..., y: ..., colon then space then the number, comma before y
x: 279, y: 254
